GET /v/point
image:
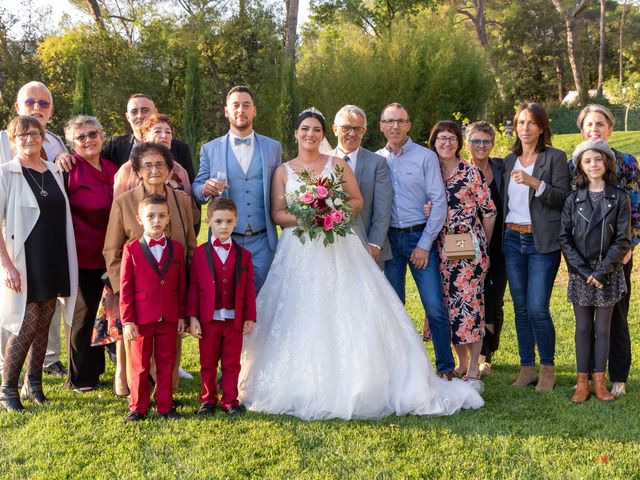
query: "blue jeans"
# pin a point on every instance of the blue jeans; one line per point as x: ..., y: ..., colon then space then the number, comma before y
x: 531, y: 275
x: 429, y: 283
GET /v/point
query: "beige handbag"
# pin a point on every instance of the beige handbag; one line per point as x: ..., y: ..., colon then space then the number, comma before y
x: 459, y: 246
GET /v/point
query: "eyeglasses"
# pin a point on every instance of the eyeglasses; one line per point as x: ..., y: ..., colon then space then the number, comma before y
x: 147, y: 167
x: 92, y: 135
x: 476, y: 142
x: 29, y: 135
x: 450, y: 140
x: 400, y: 121
x: 349, y: 128
x: 30, y: 102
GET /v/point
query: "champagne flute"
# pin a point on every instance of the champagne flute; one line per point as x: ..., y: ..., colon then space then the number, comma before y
x: 222, y: 178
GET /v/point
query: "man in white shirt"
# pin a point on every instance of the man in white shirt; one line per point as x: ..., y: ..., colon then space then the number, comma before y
x: 349, y: 126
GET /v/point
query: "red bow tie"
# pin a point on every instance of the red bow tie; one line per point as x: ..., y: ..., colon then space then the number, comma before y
x: 161, y: 241
x: 218, y: 243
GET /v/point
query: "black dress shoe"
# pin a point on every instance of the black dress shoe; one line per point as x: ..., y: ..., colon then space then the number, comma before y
x: 32, y: 390
x: 134, y: 417
x: 207, y: 409
x: 10, y: 400
x: 234, y: 410
x: 56, y: 368
x: 171, y: 415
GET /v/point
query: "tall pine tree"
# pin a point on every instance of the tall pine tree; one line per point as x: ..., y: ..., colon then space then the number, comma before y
x: 192, y: 120
x: 82, y: 96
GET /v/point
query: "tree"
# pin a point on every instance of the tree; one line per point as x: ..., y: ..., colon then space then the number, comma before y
x: 601, y: 50
x: 287, y: 109
x: 82, y: 97
x: 625, y: 93
x: 569, y: 16
x: 192, y: 122
x: 475, y: 11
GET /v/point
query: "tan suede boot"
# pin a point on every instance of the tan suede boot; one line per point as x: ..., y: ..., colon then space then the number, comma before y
x: 526, y: 377
x: 547, y: 378
x: 600, y: 387
x: 582, y: 388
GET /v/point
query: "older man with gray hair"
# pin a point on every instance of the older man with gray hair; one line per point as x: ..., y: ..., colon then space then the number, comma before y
x: 34, y: 98
x: 349, y: 126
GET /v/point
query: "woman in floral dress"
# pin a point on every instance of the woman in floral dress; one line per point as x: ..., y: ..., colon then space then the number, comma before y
x: 470, y: 210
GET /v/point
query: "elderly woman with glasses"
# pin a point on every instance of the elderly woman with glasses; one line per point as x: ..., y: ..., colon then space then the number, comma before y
x: 90, y: 190
x: 152, y: 162
x: 155, y: 129
x: 37, y: 259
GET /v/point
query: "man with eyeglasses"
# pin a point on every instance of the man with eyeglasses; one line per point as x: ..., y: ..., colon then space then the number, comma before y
x: 349, y: 126
x: 34, y: 98
x: 416, y: 180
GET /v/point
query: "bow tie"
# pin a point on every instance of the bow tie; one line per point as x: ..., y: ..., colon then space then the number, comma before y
x: 161, y: 241
x: 245, y: 140
x: 218, y: 243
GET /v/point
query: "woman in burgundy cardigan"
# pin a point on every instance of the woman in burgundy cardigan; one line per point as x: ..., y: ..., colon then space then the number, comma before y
x: 90, y: 191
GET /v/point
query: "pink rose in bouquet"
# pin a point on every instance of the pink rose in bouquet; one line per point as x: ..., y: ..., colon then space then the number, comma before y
x: 328, y: 222
x: 307, y: 198
x: 322, y: 191
x: 336, y: 215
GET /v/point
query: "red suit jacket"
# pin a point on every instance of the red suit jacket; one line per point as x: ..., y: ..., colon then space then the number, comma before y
x: 144, y: 295
x: 201, y: 298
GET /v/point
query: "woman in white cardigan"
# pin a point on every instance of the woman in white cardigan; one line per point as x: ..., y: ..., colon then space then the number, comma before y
x: 37, y: 259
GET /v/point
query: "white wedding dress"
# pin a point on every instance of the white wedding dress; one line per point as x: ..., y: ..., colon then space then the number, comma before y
x: 332, y: 339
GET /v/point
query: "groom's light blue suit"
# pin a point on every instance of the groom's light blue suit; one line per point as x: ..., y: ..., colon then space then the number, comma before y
x: 251, y: 193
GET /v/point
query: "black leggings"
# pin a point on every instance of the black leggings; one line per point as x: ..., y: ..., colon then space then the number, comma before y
x: 592, y: 322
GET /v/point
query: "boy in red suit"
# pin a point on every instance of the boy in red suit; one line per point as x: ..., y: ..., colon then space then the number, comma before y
x: 222, y: 307
x: 152, y: 298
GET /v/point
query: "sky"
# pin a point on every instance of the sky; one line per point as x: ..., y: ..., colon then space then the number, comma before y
x: 60, y: 7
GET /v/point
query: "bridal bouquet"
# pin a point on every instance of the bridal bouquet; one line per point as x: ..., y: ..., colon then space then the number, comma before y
x: 321, y: 208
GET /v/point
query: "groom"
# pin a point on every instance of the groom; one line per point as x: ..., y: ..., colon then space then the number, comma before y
x: 239, y: 165
x: 372, y: 174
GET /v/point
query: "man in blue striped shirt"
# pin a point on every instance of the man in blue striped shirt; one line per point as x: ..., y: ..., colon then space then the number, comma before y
x: 416, y: 180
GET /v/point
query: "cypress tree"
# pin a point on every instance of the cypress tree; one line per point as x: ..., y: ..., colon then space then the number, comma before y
x: 192, y: 120
x: 82, y: 96
x: 286, y: 113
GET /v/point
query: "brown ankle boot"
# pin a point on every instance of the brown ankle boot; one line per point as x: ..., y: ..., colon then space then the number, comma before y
x: 547, y: 378
x: 600, y: 387
x: 526, y: 377
x: 582, y: 388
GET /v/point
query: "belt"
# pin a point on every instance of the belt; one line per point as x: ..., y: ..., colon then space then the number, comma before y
x: 250, y: 233
x: 520, y: 228
x: 414, y: 229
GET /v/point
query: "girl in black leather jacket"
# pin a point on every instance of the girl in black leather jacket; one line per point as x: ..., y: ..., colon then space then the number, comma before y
x: 595, y: 236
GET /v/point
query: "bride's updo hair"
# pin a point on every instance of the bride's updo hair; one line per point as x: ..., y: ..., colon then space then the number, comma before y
x: 312, y: 113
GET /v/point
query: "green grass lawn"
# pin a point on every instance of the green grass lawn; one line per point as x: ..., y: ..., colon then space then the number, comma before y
x: 518, y: 434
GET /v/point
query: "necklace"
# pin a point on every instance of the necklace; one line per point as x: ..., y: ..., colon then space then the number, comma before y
x: 43, y: 192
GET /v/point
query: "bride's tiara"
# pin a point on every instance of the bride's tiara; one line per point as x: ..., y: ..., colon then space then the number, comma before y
x: 312, y: 110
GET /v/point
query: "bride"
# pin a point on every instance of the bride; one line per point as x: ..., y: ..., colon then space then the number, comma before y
x: 332, y: 339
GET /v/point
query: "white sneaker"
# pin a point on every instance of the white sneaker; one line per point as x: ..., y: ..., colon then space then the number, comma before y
x: 184, y: 374
x: 618, y: 388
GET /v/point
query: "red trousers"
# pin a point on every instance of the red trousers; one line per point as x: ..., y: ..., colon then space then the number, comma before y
x: 220, y: 341
x: 157, y: 339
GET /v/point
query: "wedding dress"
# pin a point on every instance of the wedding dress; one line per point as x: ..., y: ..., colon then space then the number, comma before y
x: 332, y: 339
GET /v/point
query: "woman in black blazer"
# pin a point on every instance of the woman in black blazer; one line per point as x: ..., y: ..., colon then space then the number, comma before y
x: 536, y: 182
